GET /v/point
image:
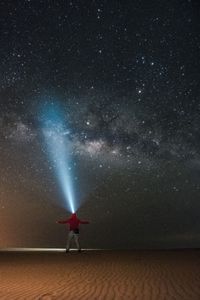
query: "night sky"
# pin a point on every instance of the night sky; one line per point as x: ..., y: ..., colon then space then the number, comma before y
x: 126, y: 75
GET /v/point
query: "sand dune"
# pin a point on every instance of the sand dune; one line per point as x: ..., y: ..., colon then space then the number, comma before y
x: 145, y: 275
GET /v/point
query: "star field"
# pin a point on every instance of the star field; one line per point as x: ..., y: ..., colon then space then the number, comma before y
x: 126, y: 75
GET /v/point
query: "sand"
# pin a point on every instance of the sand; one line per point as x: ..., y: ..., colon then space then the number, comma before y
x: 101, y: 275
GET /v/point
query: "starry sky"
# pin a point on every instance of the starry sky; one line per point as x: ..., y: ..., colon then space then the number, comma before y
x: 126, y: 74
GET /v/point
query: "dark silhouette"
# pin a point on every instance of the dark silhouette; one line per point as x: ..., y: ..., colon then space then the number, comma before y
x: 73, y: 222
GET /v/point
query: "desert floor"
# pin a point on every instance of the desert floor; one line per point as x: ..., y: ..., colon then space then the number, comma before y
x: 101, y: 275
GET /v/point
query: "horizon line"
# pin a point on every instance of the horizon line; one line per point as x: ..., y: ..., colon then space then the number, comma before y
x: 49, y: 249
x: 40, y: 249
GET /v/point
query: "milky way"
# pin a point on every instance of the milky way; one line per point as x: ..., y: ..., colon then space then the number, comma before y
x: 126, y: 75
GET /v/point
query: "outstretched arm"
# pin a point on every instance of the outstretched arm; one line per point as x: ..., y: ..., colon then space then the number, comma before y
x: 84, y: 222
x: 63, y: 222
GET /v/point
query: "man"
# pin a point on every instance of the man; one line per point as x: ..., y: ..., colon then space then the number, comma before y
x: 73, y: 222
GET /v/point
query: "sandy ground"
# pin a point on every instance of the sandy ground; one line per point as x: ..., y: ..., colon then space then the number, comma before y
x: 101, y: 275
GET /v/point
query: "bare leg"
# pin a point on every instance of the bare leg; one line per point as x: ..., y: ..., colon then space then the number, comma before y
x: 70, y: 236
x: 76, y: 238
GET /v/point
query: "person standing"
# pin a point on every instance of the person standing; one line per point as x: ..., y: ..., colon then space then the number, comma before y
x: 73, y: 222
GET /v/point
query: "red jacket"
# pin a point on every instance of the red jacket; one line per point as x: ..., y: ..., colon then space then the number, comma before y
x: 73, y: 222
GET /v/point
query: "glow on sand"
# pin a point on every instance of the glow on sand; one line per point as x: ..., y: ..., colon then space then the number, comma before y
x: 58, y: 149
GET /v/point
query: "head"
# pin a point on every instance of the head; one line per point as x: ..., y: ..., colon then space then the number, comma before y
x: 74, y: 216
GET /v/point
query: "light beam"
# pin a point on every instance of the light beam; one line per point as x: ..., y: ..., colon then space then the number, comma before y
x: 58, y: 148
